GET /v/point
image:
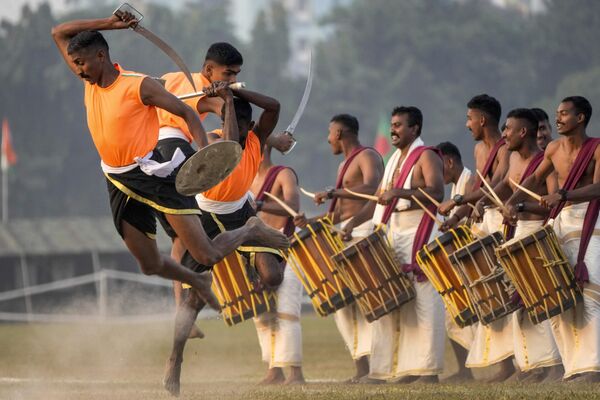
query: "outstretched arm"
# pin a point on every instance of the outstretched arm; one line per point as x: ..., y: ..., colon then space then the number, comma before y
x: 268, y: 118
x: 154, y: 94
x: 64, y: 32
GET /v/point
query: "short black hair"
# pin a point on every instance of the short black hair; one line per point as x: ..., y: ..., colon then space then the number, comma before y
x: 540, y: 114
x: 415, y: 116
x: 582, y: 106
x: 243, y: 110
x: 488, y: 104
x: 526, y: 115
x: 87, y: 40
x: 224, y: 53
x: 450, y: 150
x: 349, y: 121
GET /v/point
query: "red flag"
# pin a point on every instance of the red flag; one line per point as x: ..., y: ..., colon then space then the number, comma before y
x: 382, y: 139
x: 9, y: 157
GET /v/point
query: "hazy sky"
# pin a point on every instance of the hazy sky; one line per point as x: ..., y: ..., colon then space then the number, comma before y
x: 11, y: 9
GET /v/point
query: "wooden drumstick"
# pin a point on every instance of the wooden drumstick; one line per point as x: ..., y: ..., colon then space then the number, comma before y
x: 294, y: 214
x: 362, y: 195
x: 309, y: 194
x: 529, y: 192
x: 427, y: 211
x: 494, y: 200
x: 287, y: 208
x: 487, y: 185
x: 431, y: 199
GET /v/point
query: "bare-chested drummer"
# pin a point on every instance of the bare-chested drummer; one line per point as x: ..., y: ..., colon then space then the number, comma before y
x: 361, y: 171
x: 121, y: 112
x: 279, y: 332
x: 575, y: 158
x: 536, y: 353
x: 493, y: 343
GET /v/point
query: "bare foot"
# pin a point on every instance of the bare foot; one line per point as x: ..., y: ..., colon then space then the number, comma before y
x: 202, y: 286
x: 460, y: 377
x: 427, y: 379
x: 296, y: 377
x: 507, y: 369
x: 266, y: 235
x: 554, y: 373
x: 365, y: 380
x: 172, y: 375
x: 407, y: 379
x: 274, y: 377
x: 587, y: 377
x: 196, y: 333
x: 362, y: 369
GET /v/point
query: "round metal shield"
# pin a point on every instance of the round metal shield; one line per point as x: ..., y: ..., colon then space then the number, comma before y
x: 209, y: 166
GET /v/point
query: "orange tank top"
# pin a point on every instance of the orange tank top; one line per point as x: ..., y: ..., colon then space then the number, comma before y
x: 122, y: 126
x: 177, y: 83
x: 235, y: 186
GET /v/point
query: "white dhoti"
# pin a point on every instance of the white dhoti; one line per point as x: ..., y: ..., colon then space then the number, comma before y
x: 279, y: 333
x: 463, y: 336
x: 493, y: 342
x: 411, y: 339
x: 577, y: 331
x: 353, y: 326
x: 534, y: 345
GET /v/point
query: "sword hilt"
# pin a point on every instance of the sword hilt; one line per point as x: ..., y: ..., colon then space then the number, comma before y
x: 126, y: 7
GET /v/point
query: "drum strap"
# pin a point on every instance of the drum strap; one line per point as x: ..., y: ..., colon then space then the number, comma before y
x: 270, y: 179
x: 509, y: 230
x: 591, y: 215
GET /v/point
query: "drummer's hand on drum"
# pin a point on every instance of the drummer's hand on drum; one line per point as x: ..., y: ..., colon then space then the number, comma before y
x: 387, y: 197
x: 446, y: 206
x: 449, y: 223
x: 347, y: 236
x: 550, y: 200
x: 300, y: 220
x: 478, y: 211
x: 510, y: 214
x: 281, y: 141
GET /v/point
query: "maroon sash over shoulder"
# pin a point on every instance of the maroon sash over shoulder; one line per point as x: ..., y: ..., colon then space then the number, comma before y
x: 591, y: 215
x: 340, y: 179
x: 289, y: 228
x: 487, y: 168
x: 426, y: 225
x: 509, y: 230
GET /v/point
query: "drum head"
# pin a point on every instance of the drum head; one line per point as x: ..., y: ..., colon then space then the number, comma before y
x: 208, y: 167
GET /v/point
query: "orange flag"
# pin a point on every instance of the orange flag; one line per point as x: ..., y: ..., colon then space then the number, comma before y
x: 9, y: 157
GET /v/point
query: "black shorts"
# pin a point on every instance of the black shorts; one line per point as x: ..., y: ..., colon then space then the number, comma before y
x: 215, y: 224
x: 165, y: 148
x: 137, y: 198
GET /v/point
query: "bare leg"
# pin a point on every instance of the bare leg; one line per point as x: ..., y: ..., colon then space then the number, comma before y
x: 184, y: 320
x: 296, y: 377
x: 554, y: 373
x: 464, y: 373
x: 507, y: 369
x: 152, y: 262
x: 274, y: 377
x: 362, y: 369
x: 587, y: 377
x: 177, y: 252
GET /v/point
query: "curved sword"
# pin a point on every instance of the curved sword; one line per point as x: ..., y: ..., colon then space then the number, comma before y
x: 292, y: 126
x: 158, y: 42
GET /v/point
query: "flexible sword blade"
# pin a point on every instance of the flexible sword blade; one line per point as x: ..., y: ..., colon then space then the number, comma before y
x: 292, y: 127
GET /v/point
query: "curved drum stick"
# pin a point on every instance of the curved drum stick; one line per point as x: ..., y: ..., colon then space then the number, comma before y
x: 529, y: 192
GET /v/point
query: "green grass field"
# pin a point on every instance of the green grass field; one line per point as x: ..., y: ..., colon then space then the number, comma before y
x: 126, y: 361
